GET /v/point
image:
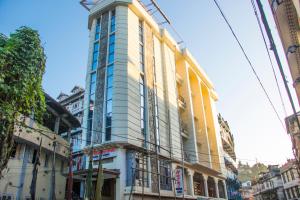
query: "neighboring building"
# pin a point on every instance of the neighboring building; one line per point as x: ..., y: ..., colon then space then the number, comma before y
x: 17, y: 177
x: 291, y: 181
x: 286, y: 14
x: 146, y: 99
x: 247, y: 191
x: 269, y: 185
x: 231, y: 171
x: 74, y: 103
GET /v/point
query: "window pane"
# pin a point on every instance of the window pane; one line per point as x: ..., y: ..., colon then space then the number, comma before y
x: 97, y: 36
x: 111, y: 58
x: 96, y: 47
x: 109, y: 106
x: 108, y: 121
x: 111, y: 48
x: 93, y: 77
x: 112, y: 28
x: 92, y: 99
x: 142, y: 101
x: 109, y: 94
x: 109, y: 81
x: 95, y: 56
x: 108, y: 134
x: 92, y: 88
x: 112, y: 39
x: 94, y: 65
x: 110, y: 69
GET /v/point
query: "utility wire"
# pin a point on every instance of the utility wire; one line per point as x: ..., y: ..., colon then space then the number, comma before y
x: 249, y: 62
x: 269, y: 55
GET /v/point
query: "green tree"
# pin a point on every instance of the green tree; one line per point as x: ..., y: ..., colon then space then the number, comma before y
x: 22, y: 65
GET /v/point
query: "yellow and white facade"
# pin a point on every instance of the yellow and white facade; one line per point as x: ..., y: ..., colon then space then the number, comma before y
x: 152, y: 107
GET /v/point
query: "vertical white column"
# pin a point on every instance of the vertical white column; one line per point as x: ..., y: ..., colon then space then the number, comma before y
x: 190, y: 181
x: 225, y: 188
x: 217, y: 188
x: 205, y: 185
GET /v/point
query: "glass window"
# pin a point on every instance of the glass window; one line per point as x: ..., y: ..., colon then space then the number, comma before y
x: 109, y: 81
x: 108, y: 134
x: 110, y: 69
x: 96, y: 47
x: 109, y: 106
x: 93, y: 88
x: 109, y: 94
x: 93, y: 77
x: 113, y: 21
x: 112, y: 39
x: 108, y: 120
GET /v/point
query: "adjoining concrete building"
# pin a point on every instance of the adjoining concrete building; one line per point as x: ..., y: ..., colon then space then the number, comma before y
x: 269, y: 185
x: 247, y: 191
x: 286, y: 15
x: 231, y: 172
x: 291, y: 181
x: 29, y: 137
x: 150, y: 111
x: 74, y: 103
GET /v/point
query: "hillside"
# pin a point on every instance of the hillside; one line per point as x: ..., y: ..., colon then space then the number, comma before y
x: 247, y: 172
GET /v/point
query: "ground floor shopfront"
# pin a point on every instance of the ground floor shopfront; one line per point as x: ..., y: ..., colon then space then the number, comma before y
x: 129, y: 174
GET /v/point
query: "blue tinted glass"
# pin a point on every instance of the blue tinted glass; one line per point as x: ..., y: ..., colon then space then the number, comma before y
x: 92, y: 99
x: 109, y: 81
x: 111, y: 57
x: 111, y: 48
x: 96, y: 47
x: 95, y: 56
x: 108, y: 134
x: 93, y: 77
x: 110, y: 69
x: 92, y: 88
x: 109, y: 94
x: 97, y: 36
x: 112, y: 39
x: 94, y: 65
x: 109, y: 106
x: 112, y: 28
x: 108, y: 121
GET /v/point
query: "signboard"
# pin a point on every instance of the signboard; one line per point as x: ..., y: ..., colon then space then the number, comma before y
x: 178, y: 181
x: 106, y: 153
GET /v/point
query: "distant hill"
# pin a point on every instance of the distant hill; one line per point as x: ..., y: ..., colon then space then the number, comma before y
x: 248, y: 173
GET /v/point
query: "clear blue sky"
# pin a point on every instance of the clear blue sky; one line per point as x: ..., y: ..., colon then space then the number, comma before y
x: 258, y: 133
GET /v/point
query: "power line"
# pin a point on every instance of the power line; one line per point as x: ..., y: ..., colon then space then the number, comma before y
x: 269, y: 56
x: 249, y: 62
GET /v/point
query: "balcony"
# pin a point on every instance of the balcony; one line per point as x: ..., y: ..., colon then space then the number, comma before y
x: 184, y: 129
x: 181, y: 102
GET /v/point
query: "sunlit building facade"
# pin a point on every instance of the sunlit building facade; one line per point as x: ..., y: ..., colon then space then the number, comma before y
x: 150, y: 111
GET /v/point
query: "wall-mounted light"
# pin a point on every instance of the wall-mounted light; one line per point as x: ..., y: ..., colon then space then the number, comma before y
x: 292, y: 49
x: 275, y: 4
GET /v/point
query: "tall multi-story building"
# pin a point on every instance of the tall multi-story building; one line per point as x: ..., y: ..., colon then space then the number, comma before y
x: 150, y: 113
x: 291, y: 181
x: 231, y: 172
x: 269, y: 185
x: 286, y: 15
x: 33, y: 140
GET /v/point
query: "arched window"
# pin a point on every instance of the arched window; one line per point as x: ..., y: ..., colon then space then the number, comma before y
x: 199, y: 189
x: 221, y: 189
x: 211, y: 187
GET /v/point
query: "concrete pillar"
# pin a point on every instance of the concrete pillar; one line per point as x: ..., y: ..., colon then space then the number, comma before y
x: 217, y: 188
x: 225, y: 188
x: 205, y: 185
x: 190, y: 182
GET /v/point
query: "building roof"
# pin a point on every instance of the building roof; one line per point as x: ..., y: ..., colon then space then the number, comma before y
x: 55, y: 108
